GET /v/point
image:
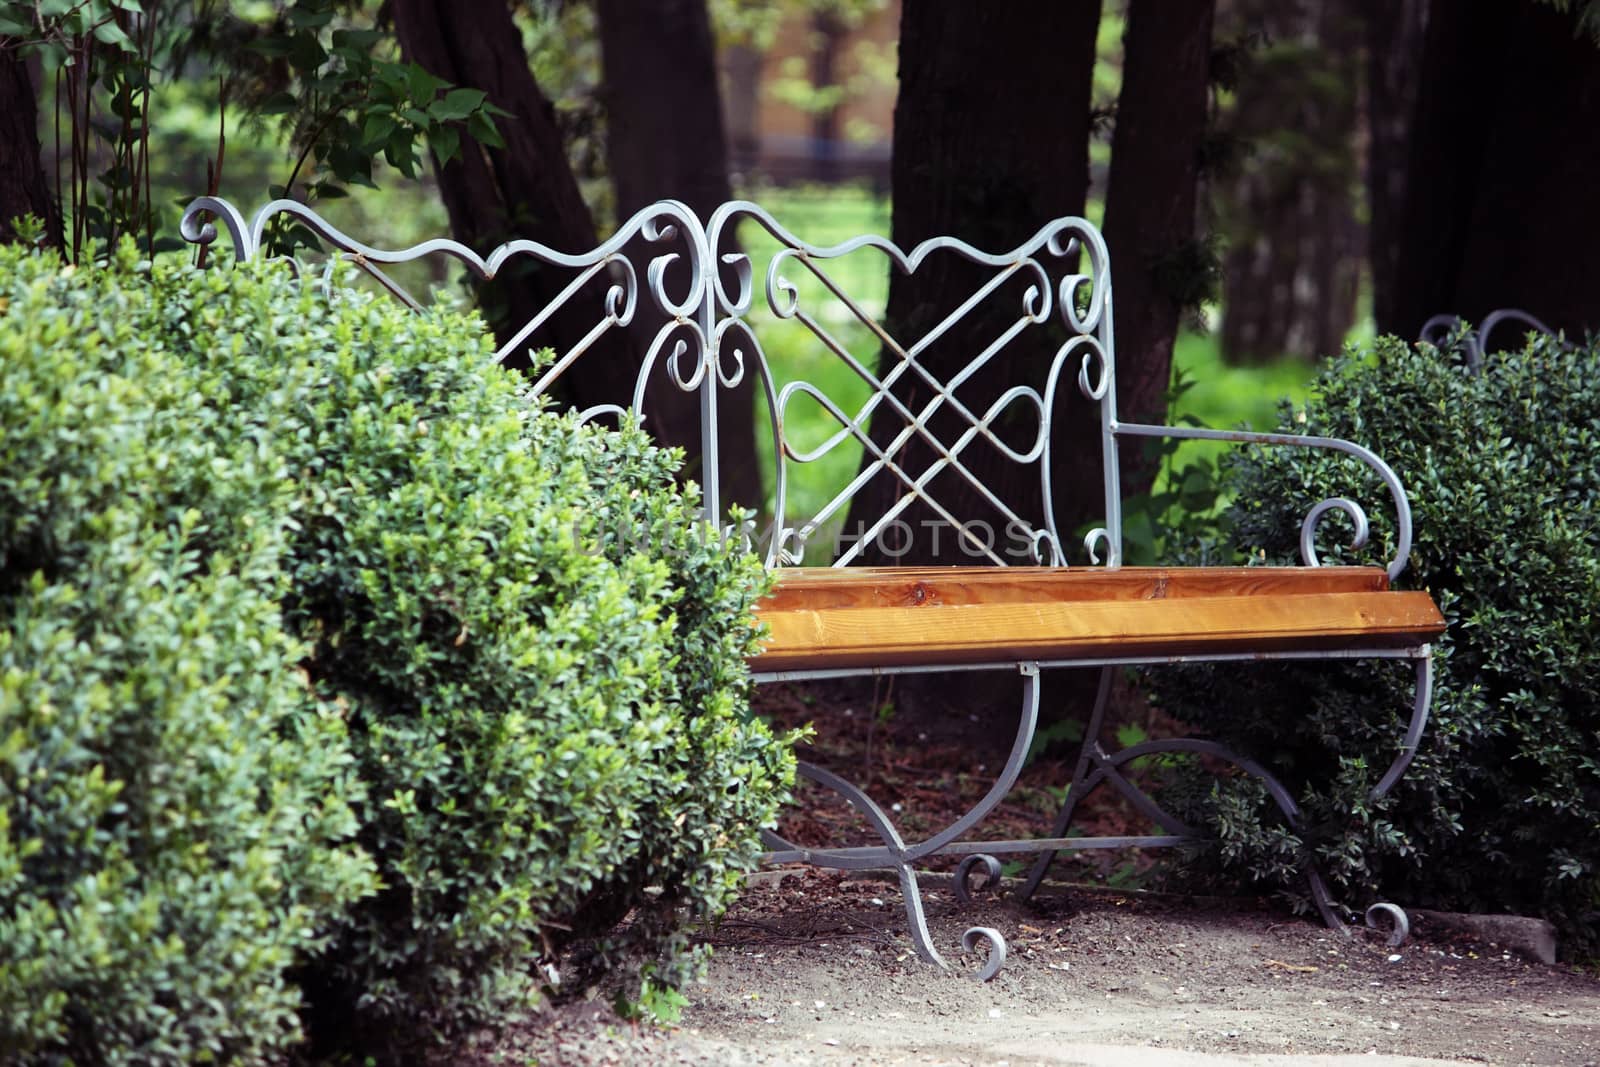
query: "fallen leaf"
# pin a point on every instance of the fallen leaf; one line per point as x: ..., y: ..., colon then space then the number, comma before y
x: 1298, y: 968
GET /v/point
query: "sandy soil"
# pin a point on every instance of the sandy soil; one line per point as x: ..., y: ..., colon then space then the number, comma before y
x: 813, y: 967
x: 818, y: 970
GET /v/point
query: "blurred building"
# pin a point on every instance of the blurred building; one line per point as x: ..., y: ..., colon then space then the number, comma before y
x: 817, y: 105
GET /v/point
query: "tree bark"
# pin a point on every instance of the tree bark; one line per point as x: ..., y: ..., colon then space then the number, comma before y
x: 1394, y: 32
x: 23, y: 188
x: 1499, y: 185
x: 990, y: 142
x: 524, y: 190
x: 1295, y: 244
x: 1150, y: 203
x: 665, y: 139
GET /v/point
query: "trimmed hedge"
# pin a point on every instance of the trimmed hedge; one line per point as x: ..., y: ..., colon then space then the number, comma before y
x: 174, y: 828
x: 545, y: 720
x: 1501, y: 809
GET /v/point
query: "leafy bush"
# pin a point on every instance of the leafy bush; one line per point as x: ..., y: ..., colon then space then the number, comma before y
x: 539, y: 656
x: 174, y: 831
x: 1501, y: 809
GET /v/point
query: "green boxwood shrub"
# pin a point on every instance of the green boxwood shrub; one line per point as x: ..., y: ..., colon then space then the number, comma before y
x: 174, y: 827
x: 1501, y: 809
x: 539, y: 656
x: 542, y: 656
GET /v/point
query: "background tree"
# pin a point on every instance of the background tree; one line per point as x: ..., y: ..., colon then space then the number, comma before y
x: 1500, y: 173
x: 516, y: 183
x: 663, y: 95
x: 1394, y: 31
x: 1160, y: 265
x: 991, y: 139
x: 1295, y: 245
x: 665, y: 139
x: 23, y: 189
x: 975, y: 156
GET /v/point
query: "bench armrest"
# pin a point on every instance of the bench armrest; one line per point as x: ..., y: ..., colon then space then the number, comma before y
x: 1308, y: 528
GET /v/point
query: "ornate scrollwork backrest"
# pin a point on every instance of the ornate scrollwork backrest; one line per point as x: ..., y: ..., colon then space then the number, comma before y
x: 607, y: 277
x: 707, y: 323
x: 1441, y: 329
x: 1053, y: 291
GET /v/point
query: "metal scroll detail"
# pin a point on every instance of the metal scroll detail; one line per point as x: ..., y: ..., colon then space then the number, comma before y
x: 1440, y: 330
x: 897, y: 855
x: 710, y: 306
x: 798, y: 267
x: 601, y: 286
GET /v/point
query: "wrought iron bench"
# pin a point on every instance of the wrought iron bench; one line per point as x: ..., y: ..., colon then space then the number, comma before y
x: 1025, y: 608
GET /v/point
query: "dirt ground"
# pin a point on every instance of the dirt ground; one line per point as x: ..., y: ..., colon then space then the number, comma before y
x: 814, y: 967
x: 818, y: 970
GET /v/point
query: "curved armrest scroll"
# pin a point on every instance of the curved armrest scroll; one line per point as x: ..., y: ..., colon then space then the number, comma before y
x: 1308, y: 529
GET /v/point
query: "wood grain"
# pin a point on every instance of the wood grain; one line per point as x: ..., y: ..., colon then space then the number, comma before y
x: 958, y: 615
x: 841, y: 587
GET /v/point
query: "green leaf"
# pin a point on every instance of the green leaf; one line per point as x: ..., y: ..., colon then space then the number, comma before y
x: 111, y: 33
x: 422, y: 85
x: 306, y: 53
x: 272, y: 46
x: 400, y: 151
x: 361, y: 40
x: 456, y: 104
x: 445, y: 142
x: 303, y: 18
x: 280, y: 103
x: 377, y: 129
x: 482, y: 128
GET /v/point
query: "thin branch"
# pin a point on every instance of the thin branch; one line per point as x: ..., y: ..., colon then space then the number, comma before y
x: 147, y: 23
x: 311, y: 142
x: 214, y: 171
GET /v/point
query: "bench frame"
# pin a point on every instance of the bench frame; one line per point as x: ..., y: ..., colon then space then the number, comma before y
x: 702, y: 294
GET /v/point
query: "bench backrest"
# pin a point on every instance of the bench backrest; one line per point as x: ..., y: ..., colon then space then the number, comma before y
x: 703, y: 302
x: 704, y: 306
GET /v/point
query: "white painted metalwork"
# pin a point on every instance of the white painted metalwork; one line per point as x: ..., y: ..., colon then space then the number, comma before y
x: 1441, y: 330
x: 702, y: 288
x: 710, y: 337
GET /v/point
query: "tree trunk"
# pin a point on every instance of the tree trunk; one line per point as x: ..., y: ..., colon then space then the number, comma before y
x: 1394, y: 31
x: 991, y: 138
x: 665, y: 140
x: 23, y: 188
x: 527, y: 190
x: 828, y: 36
x: 1295, y: 244
x: 1150, y: 204
x: 1499, y: 186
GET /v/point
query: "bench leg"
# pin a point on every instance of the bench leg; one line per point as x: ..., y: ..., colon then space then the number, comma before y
x: 894, y: 854
x: 1095, y: 767
x: 1075, y: 788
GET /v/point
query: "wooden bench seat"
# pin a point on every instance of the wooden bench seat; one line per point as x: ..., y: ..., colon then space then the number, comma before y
x: 864, y: 617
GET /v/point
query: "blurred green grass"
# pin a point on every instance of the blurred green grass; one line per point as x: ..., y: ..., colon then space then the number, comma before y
x: 1224, y: 397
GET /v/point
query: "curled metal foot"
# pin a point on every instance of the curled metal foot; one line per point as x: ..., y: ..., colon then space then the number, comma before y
x: 1401, y: 929
x: 991, y: 869
x: 997, y: 949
